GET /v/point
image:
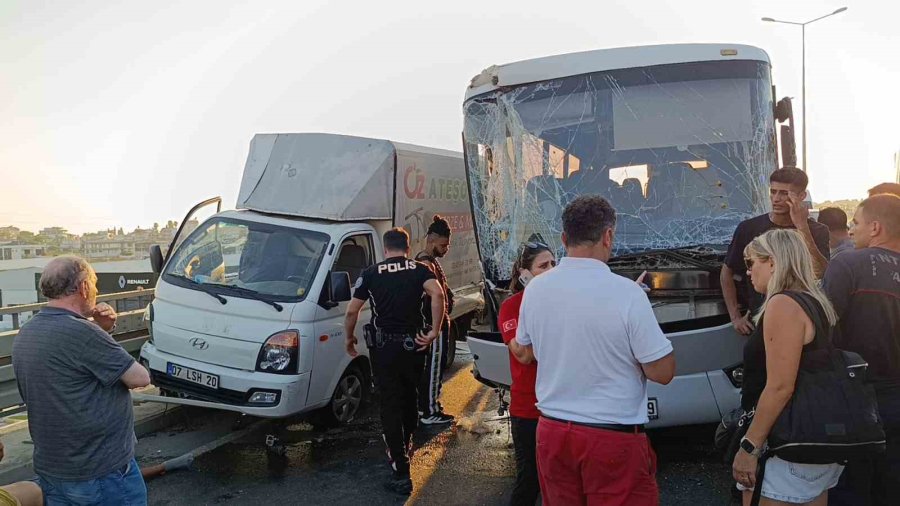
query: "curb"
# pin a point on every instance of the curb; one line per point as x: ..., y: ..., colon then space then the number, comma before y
x: 142, y: 427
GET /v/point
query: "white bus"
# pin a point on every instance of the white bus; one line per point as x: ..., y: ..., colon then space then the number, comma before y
x: 680, y: 139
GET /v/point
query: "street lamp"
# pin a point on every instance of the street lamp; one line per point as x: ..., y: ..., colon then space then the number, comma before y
x: 803, y: 32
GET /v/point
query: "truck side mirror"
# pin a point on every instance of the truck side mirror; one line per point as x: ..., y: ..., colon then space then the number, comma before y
x: 340, y: 286
x: 156, y: 258
x: 335, y: 290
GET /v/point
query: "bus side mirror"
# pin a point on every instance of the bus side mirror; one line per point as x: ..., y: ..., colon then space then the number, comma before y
x: 784, y: 112
x: 788, y: 147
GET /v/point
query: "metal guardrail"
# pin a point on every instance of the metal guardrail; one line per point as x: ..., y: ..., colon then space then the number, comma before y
x: 131, y: 333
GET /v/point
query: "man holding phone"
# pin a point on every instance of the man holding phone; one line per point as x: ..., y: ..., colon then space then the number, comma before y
x: 787, y: 192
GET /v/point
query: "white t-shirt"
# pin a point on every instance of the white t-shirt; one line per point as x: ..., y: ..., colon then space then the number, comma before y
x: 590, y: 329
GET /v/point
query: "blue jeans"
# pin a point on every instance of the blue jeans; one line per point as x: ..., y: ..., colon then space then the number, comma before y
x: 122, y: 487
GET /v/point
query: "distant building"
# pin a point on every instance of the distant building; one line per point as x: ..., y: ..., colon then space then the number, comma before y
x: 54, y: 234
x: 21, y: 251
x: 109, y: 244
x: 115, y: 247
x: 71, y: 245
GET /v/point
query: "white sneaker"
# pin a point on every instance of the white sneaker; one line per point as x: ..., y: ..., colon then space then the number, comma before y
x: 437, y: 419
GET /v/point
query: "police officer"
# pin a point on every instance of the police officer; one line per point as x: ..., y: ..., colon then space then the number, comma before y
x: 437, y: 244
x: 396, y: 342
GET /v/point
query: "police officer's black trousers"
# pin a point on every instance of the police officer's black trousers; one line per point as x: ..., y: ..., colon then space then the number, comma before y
x: 397, y: 373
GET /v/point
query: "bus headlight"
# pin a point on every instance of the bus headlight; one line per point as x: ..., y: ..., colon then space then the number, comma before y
x: 735, y: 375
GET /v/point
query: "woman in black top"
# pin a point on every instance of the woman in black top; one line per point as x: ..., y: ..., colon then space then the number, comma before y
x: 779, y: 266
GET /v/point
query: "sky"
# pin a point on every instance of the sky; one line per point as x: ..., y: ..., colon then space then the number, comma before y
x: 127, y: 113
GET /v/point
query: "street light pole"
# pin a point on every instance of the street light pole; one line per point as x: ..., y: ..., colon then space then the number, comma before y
x: 803, y: 66
x: 803, y: 90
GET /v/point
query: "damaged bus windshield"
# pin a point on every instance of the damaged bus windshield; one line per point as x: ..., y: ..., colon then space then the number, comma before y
x: 682, y: 151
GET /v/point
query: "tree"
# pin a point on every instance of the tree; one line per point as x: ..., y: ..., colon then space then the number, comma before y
x: 121, y: 231
x: 26, y: 237
x: 156, y: 227
x: 9, y: 233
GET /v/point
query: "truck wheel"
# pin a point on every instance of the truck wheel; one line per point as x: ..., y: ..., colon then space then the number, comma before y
x: 450, y: 350
x: 457, y: 331
x: 347, y: 399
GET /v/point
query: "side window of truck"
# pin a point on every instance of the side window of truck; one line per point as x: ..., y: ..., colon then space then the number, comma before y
x: 356, y: 254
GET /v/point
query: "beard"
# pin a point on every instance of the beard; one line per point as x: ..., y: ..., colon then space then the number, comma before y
x: 89, y: 304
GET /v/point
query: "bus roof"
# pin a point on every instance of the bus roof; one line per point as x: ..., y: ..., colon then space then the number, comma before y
x: 599, y: 60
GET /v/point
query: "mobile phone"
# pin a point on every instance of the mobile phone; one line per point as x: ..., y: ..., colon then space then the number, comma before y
x: 525, y: 276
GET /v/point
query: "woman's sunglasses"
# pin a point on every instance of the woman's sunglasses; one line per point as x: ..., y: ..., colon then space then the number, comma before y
x: 750, y: 261
x: 533, y: 245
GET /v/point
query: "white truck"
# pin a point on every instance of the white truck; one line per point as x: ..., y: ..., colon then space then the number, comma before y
x: 681, y: 140
x: 249, y: 307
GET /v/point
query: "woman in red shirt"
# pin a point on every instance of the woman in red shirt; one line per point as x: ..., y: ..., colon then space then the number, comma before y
x: 535, y: 259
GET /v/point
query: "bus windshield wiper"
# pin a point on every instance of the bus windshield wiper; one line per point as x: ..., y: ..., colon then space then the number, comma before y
x: 253, y: 294
x: 673, y: 253
x: 202, y: 288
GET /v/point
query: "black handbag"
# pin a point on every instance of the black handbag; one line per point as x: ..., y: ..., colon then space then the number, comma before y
x: 730, y: 431
x: 832, y: 416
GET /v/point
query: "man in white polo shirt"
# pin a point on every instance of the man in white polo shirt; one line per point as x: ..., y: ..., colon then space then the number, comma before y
x: 596, y: 342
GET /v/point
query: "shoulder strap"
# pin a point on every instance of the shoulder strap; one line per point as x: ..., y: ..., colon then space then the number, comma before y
x: 816, y: 313
x: 760, y: 476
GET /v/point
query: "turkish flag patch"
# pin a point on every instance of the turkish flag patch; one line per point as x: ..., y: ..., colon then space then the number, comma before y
x: 510, y: 325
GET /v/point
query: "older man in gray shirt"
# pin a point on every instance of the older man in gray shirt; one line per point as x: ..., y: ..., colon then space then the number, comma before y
x: 74, y: 379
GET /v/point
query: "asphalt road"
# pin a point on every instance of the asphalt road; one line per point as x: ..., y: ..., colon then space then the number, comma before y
x: 470, y: 463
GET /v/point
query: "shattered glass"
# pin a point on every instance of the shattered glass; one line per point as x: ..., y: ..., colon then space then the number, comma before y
x: 682, y: 151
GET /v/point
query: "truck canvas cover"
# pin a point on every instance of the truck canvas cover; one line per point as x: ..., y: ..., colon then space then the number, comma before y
x: 324, y: 176
x: 343, y: 178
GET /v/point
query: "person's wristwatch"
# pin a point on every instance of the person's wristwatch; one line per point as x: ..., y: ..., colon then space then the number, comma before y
x: 749, y: 447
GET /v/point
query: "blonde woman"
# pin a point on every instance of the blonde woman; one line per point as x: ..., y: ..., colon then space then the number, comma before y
x: 780, y: 267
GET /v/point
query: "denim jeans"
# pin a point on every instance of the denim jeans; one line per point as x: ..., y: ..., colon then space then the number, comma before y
x: 122, y: 487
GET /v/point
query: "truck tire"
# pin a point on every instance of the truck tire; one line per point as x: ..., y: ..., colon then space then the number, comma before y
x: 450, y: 350
x: 347, y: 401
x: 458, y: 330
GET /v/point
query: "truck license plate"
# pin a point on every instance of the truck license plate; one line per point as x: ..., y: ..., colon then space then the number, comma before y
x: 652, y: 410
x: 192, y: 375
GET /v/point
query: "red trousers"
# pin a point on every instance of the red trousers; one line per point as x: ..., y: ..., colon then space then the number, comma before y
x: 580, y: 465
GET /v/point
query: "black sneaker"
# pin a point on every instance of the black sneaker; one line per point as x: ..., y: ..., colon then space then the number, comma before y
x: 437, y: 419
x: 399, y: 485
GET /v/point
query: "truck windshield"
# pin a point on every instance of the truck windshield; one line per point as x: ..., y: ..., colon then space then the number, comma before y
x: 682, y: 151
x: 261, y: 260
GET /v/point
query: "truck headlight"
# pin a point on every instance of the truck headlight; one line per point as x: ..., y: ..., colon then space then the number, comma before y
x: 279, y: 354
x: 148, y: 322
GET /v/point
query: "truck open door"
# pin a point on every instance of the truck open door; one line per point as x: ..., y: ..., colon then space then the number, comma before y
x: 157, y: 258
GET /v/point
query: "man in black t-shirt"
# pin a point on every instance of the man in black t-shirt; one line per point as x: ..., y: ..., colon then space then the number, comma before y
x: 395, y: 288
x: 436, y: 246
x: 864, y: 286
x: 787, y: 190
